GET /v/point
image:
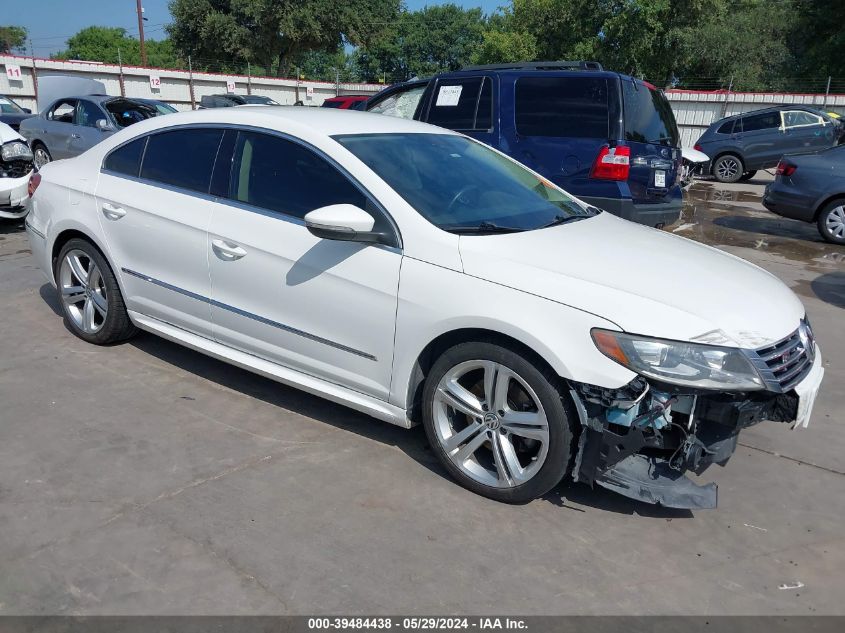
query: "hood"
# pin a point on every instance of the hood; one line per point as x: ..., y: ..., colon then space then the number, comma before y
x: 645, y: 280
x: 8, y: 134
x: 12, y: 118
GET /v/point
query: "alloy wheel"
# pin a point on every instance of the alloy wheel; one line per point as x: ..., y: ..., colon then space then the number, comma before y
x: 40, y: 157
x: 728, y: 168
x: 490, y: 423
x: 835, y: 222
x: 83, y: 291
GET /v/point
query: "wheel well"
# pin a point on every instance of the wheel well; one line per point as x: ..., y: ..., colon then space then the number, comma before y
x: 436, y: 347
x: 836, y: 196
x: 63, y: 238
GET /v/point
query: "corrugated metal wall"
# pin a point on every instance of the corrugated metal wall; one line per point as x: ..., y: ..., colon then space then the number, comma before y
x: 175, y: 86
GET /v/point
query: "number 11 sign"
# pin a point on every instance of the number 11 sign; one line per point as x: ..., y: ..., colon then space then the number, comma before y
x: 13, y: 71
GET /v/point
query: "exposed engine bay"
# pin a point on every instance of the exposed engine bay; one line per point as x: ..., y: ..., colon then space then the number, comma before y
x: 641, y: 439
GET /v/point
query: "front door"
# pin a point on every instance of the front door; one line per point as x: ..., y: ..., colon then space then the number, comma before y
x: 85, y: 133
x: 805, y: 132
x: 155, y: 216
x: 323, y: 307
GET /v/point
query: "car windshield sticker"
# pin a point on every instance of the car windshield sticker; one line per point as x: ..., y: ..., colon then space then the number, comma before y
x: 449, y: 95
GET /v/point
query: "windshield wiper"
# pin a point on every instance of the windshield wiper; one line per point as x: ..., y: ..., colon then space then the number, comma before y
x: 563, y: 219
x: 483, y: 227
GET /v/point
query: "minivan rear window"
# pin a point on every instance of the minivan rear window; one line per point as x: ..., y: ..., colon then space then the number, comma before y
x: 562, y: 106
x: 648, y: 115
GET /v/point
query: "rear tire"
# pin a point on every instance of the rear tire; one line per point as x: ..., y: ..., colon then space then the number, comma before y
x: 498, y: 422
x: 831, y: 221
x: 747, y: 175
x: 87, y: 290
x: 727, y: 168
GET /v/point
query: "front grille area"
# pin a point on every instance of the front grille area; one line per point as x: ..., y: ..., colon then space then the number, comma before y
x: 15, y: 168
x: 784, y: 364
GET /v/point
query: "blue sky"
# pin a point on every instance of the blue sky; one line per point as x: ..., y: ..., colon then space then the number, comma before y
x: 51, y: 22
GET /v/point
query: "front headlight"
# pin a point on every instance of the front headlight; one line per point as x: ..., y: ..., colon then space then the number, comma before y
x: 16, y: 150
x: 679, y: 363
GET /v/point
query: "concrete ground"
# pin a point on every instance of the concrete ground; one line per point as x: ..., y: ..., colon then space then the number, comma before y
x: 147, y: 479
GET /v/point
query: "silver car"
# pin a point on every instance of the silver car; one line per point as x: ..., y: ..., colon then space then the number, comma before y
x: 71, y: 125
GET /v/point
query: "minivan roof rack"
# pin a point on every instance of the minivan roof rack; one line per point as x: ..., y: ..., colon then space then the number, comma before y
x: 560, y: 65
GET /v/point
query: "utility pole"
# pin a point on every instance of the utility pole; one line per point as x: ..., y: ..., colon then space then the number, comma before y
x: 34, y: 74
x: 141, y: 32
x: 120, y: 76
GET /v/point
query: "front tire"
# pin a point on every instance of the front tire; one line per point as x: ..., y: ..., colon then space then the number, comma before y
x: 831, y: 222
x: 91, y: 302
x: 727, y: 168
x: 497, y: 421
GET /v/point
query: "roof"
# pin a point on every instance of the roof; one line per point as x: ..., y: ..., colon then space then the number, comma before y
x: 778, y: 108
x: 295, y: 119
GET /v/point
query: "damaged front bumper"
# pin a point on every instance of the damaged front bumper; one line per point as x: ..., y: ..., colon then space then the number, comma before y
x: 641, y: 439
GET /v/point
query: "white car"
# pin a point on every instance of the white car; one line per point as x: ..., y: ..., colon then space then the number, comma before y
x: 417, y: 275
x: 15, y: 170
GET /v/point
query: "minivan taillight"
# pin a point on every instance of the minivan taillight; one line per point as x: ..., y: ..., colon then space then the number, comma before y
x: 612, y: 163
x: 34, y: 181
x: 785, y: 168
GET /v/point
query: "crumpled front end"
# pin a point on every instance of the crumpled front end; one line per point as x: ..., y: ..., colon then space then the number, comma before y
x: 641, y: 440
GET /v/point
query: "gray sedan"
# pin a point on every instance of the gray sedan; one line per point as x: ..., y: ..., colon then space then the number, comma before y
x: 811, y: 187
x: 72, y: 125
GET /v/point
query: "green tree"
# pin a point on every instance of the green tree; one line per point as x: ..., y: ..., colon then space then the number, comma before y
x: 272, y: 33
x: 12, y: 39
x: 101, y: 44
x: 424, y: 42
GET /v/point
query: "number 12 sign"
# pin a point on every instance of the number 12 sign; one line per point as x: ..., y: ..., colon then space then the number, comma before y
x: 155, y: 82
x: 13, y: 71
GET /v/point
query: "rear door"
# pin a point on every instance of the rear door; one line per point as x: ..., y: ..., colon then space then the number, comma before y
x: 154, y: 207
x: 464, y: 105
x: 652, y: 135
x: 559, y: 123
x: 58, y: 128
x: 761, y: 139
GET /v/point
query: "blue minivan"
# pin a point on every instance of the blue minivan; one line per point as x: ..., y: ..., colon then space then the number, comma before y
x: 608, y: 138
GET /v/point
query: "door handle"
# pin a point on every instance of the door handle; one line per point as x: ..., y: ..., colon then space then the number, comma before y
x: 227, y: 250
x: 75, y: 135
x: 112, y: 212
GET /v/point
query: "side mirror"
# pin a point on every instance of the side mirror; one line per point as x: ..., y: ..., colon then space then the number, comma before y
x: 344, y: 222
x: 103, y: 125
x: 27, y: 110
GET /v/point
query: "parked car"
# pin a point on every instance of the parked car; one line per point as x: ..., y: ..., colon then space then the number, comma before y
x: 71, y: 125
x: 230, y: 100
x: 15, y: 169
x: 608, y: 138
x: 11, y: 113
x: 740, y: 145
x: 347, y: 102
x: 414, y: 273
x: 811, y: 187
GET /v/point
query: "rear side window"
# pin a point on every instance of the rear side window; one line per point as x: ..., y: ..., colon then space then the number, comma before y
x: 279, y: 175
x: 126, y: 159
x: 182, y: 158
x: 648, y: 115
x: 462, y: 104
x: 562, y: 106
x: 768, y: 121
x: 726, y: 128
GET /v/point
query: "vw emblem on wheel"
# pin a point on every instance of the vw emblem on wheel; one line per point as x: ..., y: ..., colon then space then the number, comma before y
x: 492, y: 421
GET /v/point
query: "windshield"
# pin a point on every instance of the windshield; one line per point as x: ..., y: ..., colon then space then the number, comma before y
x: 648, y: 116
x: 7, y: 106
x: 461, y: 185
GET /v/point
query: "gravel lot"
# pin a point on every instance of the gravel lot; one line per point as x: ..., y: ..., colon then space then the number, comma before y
x: 145, y: 478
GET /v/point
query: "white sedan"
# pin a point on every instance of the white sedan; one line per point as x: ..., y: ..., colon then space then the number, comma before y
x: 15, y: 170
x: 417, y: 275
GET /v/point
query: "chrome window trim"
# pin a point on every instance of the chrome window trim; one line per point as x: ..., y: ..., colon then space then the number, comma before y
x: 249, y: 315
x: 397, y: 247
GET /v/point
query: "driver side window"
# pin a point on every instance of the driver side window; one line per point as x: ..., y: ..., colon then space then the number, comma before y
x: 63, y: 111
x: 400, y: 104
x: 87, y: 114
x: 798, y: 118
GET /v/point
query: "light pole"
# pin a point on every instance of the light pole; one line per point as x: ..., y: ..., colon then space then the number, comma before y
x: 141, y: 19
